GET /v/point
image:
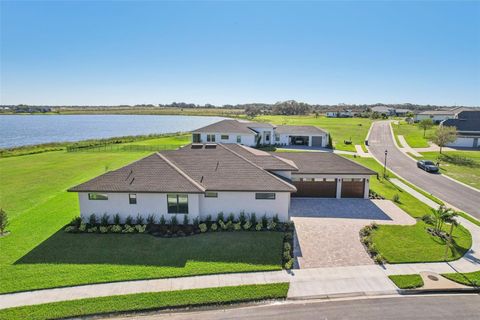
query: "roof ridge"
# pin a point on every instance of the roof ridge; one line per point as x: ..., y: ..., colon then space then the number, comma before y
x: 186, y: 176
x: 293, y: 164
x: 255, y: 165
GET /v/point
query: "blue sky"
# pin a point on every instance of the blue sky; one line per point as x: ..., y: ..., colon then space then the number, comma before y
x: 235, y: 52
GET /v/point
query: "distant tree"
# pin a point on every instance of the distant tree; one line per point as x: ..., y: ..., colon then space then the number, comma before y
x: 409, y: 114
x: 425, y: 124
x: 444, y: 135
x: 3, y: 221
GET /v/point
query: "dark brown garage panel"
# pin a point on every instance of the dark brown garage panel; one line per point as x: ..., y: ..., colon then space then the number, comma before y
x: 318, y: 189
x: 352, y: 189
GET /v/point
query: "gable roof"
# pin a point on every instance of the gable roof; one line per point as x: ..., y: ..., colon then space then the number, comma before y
x: 466, y: 121
x: 305, y: 130
x: 452, y: 111
x: 324, y: 163
x: 263, y: 159
x: 227, y: 126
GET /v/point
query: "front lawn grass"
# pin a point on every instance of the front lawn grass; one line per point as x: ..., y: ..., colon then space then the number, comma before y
x: 467, y: 171
x: 469, y: 279
x: 407, y: 281
x: 341, y: 129
x: 413, y: 134
x: 33, y: 193
x: 148, y: 301
x: 408, y: 244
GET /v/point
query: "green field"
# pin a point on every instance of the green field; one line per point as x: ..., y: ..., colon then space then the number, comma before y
x: 341, y: 129
x: 416, y: 244
x: 463, y: 166
x: 147, y: 301
x: 36, y: 254
x: 413, y: 134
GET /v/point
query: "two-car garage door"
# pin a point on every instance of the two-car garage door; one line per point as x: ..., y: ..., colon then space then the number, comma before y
x: 327, y: 188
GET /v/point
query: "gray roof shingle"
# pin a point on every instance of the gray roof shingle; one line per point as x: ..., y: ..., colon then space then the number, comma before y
x: 466, y: 121
x: 226, y: 126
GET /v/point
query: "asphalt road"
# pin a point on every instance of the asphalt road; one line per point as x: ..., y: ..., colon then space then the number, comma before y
x: 419, y: 307
x: 455, y: 194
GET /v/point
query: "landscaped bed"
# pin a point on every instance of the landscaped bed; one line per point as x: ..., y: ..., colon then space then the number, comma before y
x: 148, y: 301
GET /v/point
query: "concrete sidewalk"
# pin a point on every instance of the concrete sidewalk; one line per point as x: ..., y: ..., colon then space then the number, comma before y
x: 406, y: 147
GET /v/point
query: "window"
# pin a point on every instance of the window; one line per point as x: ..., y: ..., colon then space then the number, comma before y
x: 210, y: 138
x: 265, y: 196
x: 239, y: 139
x: 277, y: 137
x: 177, y: 203
x: 97, y: 196
x: 132, y: 198
x: 224, y: 137
x: 211, y: 194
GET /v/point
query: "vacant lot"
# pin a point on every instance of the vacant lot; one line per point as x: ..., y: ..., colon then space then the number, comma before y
x: 341, y: 129
x: 413, y: 134
x: 37, y: 254
x: 461, y: 165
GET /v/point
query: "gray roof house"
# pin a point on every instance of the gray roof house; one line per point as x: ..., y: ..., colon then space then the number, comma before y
x: 257, y: 133
x: 467, y: 124
x: 438, y: 116
x: 205, y: 179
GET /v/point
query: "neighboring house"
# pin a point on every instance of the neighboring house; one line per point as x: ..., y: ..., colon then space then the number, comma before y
x: 401, y: 112
x: 383, y: 110
x: 206, y: 179
x: 467, y: 124
x: 255, y: 133
x: 340, y: 114
x: 438, y: 116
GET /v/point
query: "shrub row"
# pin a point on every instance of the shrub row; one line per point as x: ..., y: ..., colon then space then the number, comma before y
x: 366, y: 239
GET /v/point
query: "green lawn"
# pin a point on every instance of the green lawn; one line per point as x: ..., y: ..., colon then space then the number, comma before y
x: 341, y: 129
x: 147, y: 301
x: 413, y: 134
x: 401, y: 244
x: 37, y: 255
x: 463, y: 166
x: 407, y: 281
x: 468, y: 279
x: 177, y: 140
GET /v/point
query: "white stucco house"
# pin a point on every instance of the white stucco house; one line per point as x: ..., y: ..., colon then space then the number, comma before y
x: 467, y: 124
x: 205, y: 179
x: 254, y: 133
x: 438, y: 116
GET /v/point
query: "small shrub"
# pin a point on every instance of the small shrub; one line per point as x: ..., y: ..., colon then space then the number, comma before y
x: 396, y: 198
x: 231, y: 217
x: 196, y: 221
x: 128, y: 229
x: 104, y: 219
x: 3, y: 221
x: 116, y: 228
x: 379, y: 259
x: 203, y: 227
x: 92, y: 220
x: 151, y: 219
x: 76, y: 222
x: 259, y: 226
x: 366, y: 240
x: 70, y: 229
x: 116, y: 219
x: 287, y: 246
x: 237, y: 226
x: 208, y: 218
x: 247, y: 225
x: 288, y: 236
x: 103, y: 229
x: 214, y: 227
x: 289, y: 264
x: 163, y: 221
x: 140, y: 228
x: 372, y: 249
x: 220, y: 217
x: 271, y: 225
x: 264, y: 221
x: 139, y: 219
x: 275, y: 219
x: 242, y: 218
x: 174, y: 220
x: 374, y: 226
x: 185, y: 220
x: 365, y: 231
x: 82, y: 227
x: 92, y: 230
x: 129, y: 220
x: 286, y: 255
x: 229, y: 225
x: 222, y: 225
x: 253, y: 219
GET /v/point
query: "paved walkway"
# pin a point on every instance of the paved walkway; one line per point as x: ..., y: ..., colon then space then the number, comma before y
x: 362, y: 153
x: 415, y: 193
x: 406, y: 147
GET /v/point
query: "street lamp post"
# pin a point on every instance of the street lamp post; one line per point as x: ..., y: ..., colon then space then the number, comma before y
x: 385, y: 165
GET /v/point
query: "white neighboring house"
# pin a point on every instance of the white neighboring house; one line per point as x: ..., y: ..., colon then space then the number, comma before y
x: 254, y: 133
x: 438, y: 116
x: 206, y: 179
x: 467, y: 124
x: 340, y: 114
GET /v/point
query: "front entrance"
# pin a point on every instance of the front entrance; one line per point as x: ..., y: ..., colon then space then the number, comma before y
x: 196, y: 138
x: 325, y: 188
x: 353, y: 188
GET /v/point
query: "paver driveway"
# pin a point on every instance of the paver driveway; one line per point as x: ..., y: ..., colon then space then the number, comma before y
x: 327, y: 230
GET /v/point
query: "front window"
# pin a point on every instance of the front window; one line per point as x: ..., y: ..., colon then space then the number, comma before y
x: 239, y: 139
x: 97, y: 196
x: 210, y: 138
x: 211, y: 194
x: 224, y: 137
x: 277, y: 137
x: 132, y: 198
x: 265, y: 196
x: 177, y: 203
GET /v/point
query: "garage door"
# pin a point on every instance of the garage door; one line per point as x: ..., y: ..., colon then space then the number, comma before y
x: 352, y: 189
x: 316, y: 141
x: 317, y: 189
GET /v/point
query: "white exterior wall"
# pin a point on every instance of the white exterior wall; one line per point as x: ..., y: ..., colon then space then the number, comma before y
x: 261, y: 133
x: 147, y: 204
x: 236, y: 202
x: 248, y: 140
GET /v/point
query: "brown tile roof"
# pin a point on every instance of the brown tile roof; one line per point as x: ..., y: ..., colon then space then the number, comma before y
x: 227, y: 126
x: 323, y: 163
x: 263, y: 159
x: 299, y: 130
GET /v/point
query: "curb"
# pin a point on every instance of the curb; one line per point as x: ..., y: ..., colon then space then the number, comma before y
x: 445, y: 291
x: 345, y: 295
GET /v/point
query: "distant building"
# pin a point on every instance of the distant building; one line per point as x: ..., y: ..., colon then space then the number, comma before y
x: 384, y: 110
x: 438, y: 116
x: 467, y: 124
x: 340, y: 114
x: 401, y: 112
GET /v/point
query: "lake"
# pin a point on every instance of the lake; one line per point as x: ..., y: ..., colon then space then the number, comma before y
x: 20, y: 130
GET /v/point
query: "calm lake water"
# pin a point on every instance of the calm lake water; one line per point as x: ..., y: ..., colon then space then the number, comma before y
x: 19, y: 130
